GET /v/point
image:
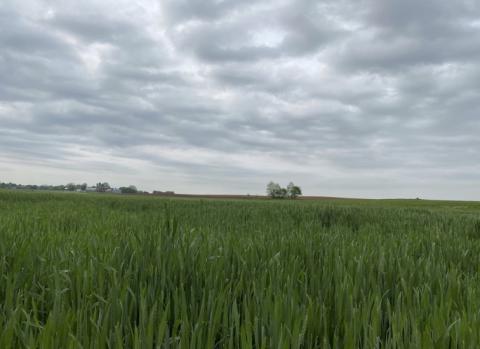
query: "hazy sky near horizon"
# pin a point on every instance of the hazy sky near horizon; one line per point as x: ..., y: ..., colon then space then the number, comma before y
x: 367, y: 98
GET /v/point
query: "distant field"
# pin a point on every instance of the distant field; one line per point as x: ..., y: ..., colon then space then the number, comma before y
x: 104, y: 271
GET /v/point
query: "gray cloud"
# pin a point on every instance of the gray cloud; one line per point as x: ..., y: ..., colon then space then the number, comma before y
x: 366, y: 98
x: 400, y: 34
x: 256, y: 33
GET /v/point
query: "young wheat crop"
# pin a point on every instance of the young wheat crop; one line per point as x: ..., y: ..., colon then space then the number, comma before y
x: 93, y: 271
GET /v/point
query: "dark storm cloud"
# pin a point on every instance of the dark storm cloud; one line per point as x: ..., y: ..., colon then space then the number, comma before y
x: 213, y: 93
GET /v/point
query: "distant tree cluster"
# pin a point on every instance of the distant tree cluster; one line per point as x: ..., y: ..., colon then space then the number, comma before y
x: 102, y: 187
x: 275, y: 191
x: 75, y: 187
x: 129, y: 190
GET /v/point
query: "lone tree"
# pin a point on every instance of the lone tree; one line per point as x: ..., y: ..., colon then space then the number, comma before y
x: 274, y: 190
x: 293, y: 191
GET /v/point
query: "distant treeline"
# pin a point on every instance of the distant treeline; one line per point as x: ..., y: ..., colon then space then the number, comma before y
x: 101, y: 187
x: 33, y: 186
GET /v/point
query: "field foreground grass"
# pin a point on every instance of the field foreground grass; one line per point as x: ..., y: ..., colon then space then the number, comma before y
x: 92, y: 271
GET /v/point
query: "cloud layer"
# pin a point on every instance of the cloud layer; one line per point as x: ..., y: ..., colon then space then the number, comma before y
x: 356, y: 98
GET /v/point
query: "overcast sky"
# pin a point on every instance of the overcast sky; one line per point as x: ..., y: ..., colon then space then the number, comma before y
x: 366, y: 98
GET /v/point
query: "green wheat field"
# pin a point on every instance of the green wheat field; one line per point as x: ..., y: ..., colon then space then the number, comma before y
x: 100, y: 271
